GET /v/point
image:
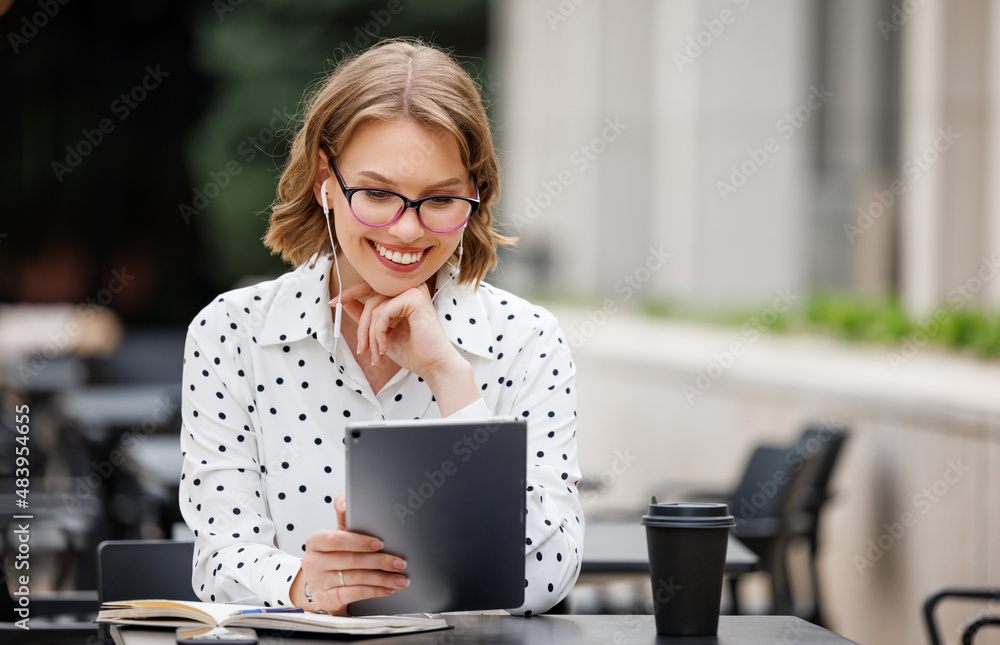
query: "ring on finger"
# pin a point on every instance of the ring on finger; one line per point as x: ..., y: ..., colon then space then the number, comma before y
x: 342, y: 583
x: 312, y: 603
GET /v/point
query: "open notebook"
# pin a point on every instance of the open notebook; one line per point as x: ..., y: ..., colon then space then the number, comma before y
x: 177, y: 613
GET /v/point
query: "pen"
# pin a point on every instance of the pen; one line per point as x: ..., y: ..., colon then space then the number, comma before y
x: 285, y: 610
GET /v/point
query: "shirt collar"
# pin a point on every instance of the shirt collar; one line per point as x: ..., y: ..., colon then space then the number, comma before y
x: 299, y: 304
x: 300, y: 308
x: 462, y: 313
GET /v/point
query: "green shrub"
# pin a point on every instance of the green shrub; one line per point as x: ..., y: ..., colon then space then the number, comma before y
x: 858, y: 319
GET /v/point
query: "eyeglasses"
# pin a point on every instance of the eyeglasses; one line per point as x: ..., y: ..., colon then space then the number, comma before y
x: 379, y: 207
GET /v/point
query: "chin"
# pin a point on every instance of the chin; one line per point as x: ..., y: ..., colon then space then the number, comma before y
x: 391, y: 288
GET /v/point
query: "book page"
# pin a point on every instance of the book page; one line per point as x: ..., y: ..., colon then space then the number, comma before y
x: 176, y: 612
x: 208, y: 613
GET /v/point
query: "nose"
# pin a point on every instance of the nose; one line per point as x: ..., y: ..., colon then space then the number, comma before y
x: 408, y: 227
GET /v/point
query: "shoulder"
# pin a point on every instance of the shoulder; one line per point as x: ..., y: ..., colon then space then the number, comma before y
x: 245, y: 299
x: 251, y: 304
x: 515, y: 316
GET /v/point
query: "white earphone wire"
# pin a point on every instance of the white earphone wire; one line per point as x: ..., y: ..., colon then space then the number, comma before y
x: 458, y: 266
x: 336, y: 265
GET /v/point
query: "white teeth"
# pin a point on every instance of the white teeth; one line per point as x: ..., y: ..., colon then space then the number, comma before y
x: 396, y: 256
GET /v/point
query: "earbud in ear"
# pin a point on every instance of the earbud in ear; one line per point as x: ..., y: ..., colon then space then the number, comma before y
x: 322, y: 190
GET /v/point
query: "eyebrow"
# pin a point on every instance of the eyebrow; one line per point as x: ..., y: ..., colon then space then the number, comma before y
x: 454, y: 181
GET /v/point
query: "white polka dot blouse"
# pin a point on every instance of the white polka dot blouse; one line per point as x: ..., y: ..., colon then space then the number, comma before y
x: 267, y: 395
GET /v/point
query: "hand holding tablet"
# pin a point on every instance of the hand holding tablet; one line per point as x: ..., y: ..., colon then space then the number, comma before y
x: 341, y: 567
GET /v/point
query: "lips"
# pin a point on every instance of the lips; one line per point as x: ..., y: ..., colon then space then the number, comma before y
x: 396, y: 256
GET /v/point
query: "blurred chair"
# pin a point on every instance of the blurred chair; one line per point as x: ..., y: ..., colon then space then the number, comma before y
x: 143, y: 569
x: 974, y: 625
x: 136, y: 569
x: 778, y: 502
x: 767, y: 520
x: 818, y: 492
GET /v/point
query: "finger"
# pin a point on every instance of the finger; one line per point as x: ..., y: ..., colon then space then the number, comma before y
x: 387, y: 316
x: 352, y: 307
x: 352, y: 299
x: 351, y: 560
x: 373, y: 344
x: 329, y: 541
x: 336, y: 599
x: 359, y: 291
x: 364, y: 323
x: 340, y: 503
x: 364, y: 578
x: 383, y: 322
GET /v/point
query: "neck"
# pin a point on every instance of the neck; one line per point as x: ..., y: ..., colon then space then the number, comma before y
x: 342, y: 275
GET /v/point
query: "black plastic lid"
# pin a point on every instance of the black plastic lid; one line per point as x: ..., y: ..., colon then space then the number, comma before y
x: 688, y: 515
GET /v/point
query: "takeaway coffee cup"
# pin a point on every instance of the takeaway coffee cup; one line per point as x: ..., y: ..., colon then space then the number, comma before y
x: 687, y: 558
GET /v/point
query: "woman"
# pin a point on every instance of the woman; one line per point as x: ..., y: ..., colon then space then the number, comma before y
x: 384, y: 207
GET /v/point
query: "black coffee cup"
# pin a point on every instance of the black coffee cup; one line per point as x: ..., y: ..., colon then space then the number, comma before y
x: 687, y: 559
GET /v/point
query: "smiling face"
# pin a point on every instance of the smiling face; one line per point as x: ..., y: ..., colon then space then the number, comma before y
x: 407, y: 158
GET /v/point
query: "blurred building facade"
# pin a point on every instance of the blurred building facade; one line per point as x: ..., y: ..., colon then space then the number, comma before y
x: 719, y: 152
x: 750, y: 152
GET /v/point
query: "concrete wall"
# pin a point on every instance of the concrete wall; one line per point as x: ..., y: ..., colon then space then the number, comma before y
x: 764, y: 144
x: 630, y: 125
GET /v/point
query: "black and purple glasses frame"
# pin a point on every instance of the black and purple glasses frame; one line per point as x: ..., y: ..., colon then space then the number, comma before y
x: 407, y: 202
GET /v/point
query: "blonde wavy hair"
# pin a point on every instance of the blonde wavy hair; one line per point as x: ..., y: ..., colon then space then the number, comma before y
x: 393, y: 79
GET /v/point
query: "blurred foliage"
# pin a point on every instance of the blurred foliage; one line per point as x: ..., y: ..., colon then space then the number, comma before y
x: 850, y: 317
x: 263, y: 57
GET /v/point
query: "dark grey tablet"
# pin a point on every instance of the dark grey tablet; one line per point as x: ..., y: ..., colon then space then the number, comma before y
x: 448, y: 496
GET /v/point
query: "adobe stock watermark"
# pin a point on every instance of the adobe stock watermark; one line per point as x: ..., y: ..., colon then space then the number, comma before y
x: 746, y: 508
x: 898, y: 16
x: 786, y: 126
x: 922, y: 502
x: 913, y: 169
x: 223, y: 7
x: 562, y: 13
x: 703, y: 40
x: 663, y: 592
x: 290, y: 451
x: 931, y: 326
x: 580, y: 160
x: 371, y: 31
x: 628, y: 286
x: 723, y: 360
x: 795, y: 632
x: 990, y: 610
x: 219, y: 180
x: 623, y: 462
x: 433, y: 481
x: 121, y: 107
x: 30, y: 27
x: 59, y: 342
x: 226, y: 515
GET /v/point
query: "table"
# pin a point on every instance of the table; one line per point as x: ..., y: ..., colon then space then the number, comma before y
x: 620, y: 547
x: 572, y: 630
